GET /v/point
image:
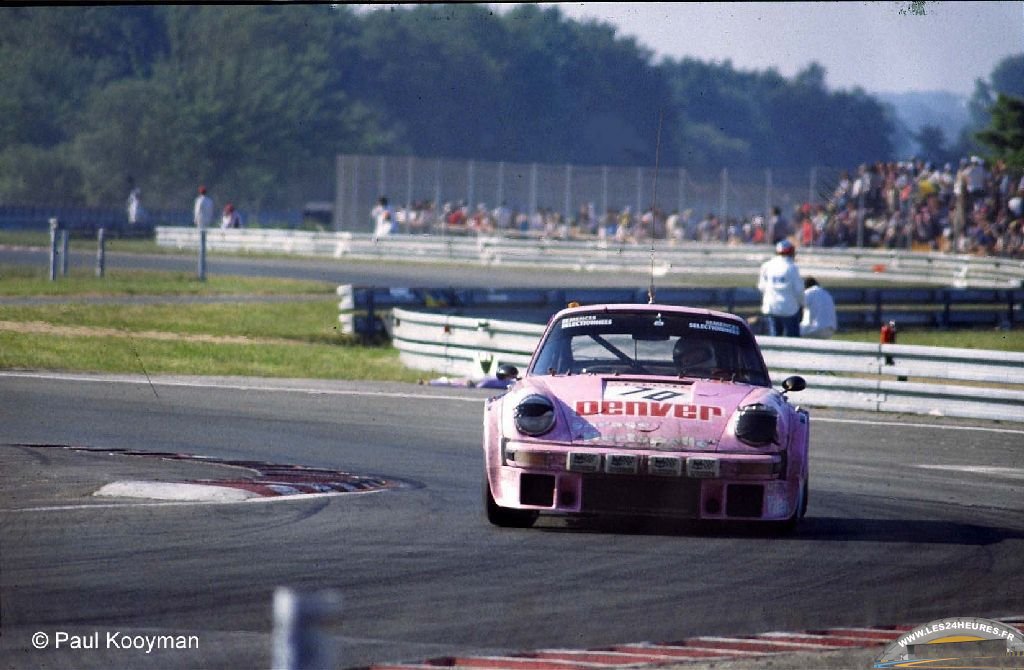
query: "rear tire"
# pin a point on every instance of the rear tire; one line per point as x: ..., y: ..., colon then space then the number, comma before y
x: 504, y: 516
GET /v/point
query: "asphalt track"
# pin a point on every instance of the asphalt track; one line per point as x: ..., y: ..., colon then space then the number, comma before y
x: 360, y: 273
x: 911, y: 519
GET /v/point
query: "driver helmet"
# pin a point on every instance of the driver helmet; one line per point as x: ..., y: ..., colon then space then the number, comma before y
x: 693, y: 353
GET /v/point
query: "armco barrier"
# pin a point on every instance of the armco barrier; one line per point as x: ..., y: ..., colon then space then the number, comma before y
x: 682, y: 259
x: 361, y: 308
x: 847, y: 375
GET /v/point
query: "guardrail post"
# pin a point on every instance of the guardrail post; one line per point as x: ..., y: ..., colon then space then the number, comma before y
x: 101, y: 251
x: 299, y: 619
x: 201, y: 272
x: 64, y: 253
x: 54, y: 224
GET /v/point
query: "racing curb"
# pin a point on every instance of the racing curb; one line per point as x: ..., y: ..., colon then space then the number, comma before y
x: 805, y: 649
x: 271, y: 480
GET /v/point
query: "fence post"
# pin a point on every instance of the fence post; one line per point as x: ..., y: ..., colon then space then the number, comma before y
x: 54, y: 225
x: 101, y: 260
x: 500, y: 201
x: 533, y: 189
x: 300, y: 642
x: 639, y: 192
x: 355, y: 198
x: 724, y: 199
x: 860, y: 217
x: 438, y: 210
x: 568, y: 193
x: 339, y: 196
x: 682, y: 191
x: 604, y: 191
x: 408, y: 195
x: 64, y: 234
x: 201, y: 272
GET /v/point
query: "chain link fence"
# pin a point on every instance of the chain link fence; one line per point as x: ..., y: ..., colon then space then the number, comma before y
x: 409, y: 181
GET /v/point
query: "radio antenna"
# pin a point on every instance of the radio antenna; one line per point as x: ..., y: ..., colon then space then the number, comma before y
x: 654, y: 204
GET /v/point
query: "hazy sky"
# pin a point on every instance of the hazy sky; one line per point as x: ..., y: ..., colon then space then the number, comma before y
x: 866, y: 44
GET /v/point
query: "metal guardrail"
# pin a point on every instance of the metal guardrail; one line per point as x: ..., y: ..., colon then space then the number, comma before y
x: 848, y: 375
x: 609, y: 256
x: 857, y: 307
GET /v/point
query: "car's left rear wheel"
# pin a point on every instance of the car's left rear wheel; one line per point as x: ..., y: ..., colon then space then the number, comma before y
x: 504, y: 516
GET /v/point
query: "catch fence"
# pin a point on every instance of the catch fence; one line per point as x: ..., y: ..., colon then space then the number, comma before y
x: 527, y: 187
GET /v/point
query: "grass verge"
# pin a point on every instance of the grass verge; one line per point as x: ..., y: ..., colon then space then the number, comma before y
x: 294, y: 338
x: 28, y: 281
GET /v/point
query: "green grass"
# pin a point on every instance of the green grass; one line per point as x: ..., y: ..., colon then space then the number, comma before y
x: 295, y: 338
x: 138, y: 355
x: 995, y: 340
x: 28, y: 238
x: 27, y: 281
x: 313, y: 321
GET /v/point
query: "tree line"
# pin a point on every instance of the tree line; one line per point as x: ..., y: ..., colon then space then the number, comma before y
x: 256, y: 101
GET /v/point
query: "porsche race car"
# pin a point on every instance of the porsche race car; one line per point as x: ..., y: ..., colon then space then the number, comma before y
x: 646, y: 410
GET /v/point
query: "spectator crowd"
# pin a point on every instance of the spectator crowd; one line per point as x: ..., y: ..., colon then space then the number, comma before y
x: 915, y: 205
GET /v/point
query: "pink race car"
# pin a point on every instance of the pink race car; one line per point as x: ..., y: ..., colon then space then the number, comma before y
x: 646, y: 410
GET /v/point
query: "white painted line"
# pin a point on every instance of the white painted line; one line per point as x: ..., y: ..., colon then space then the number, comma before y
x: 248, y: 501
x: 426, y: 396
x: 992, y: 470
x: 241, y: 387
x: 861, y: 422
x: 759, y: 642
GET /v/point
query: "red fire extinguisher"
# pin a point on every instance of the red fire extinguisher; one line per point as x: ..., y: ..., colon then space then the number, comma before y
x: 888, y: 336
x: 888, y: 333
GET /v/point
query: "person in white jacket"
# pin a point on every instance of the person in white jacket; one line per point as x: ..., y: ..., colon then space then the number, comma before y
x: 819, y: 320
x: 782, y: 291
x: 202, y: 211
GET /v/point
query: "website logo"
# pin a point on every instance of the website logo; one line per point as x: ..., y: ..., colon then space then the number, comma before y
x: 960, y: 642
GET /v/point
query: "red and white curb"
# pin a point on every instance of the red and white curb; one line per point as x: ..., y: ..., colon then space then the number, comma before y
x: 269, y: 480
x: 695, y: 649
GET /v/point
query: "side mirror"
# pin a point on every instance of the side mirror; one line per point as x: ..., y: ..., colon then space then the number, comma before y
x: 507, y: 372
x: 794, y: 383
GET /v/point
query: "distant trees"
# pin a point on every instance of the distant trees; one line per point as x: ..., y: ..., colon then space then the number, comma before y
x: 1005, y: 133
x: 256, y: 101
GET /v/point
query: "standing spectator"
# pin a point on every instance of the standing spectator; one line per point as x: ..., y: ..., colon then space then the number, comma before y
x: 230, y: 218
x: 778, y: 227
x: 135, y: 212
x: 383, y: 218
x: 502, y: 217
x: 782, y: 291
x: 819, y: 320
x: 202, y: 211
x: 976, y: 177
